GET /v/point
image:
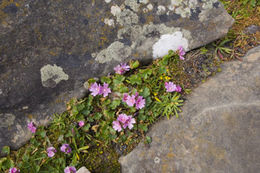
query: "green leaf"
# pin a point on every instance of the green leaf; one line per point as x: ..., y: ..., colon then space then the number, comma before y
x: 109, y: 114
x: 42, y: 134
x: 74, y: 110
x: 84, y: 148
x: 162, y: 70
x: 146, y: 73
x: 141, y: 117
x: 122, y: 88
x: 105, y: 79
x: 106, y: 102
x: 118, y: 79
x: 115, y: 103
x: 80, y: 107
x: 135, y: 79
x: 7, y: 163
x: 97, y: 116
x: 86, y: 127
x: 85, y: 112
x: 145, y: 92
x: 134, y: 64
x: 91, y: 80
x: 143, y: 127
x: 148, y: 139
x: 6, y: 150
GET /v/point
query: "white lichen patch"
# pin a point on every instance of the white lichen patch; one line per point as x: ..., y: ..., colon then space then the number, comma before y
x: 183, y: 12
x: 52, y: 75
x: 107, y: 1
x: 183, y: 8
x: 109, y: 22
x: 115, y: 10
x: 208, y: 4
x: 176, y: 2
x: 169, y: 42
x: 150, y: 7
x: 207, y: 7
x: 127, y: 18
x: 133, y: 5
x: 116, y: 51
x: 193, y: 3
x: 157, y: 160
x: 144, y: 1
x: 161, y: 10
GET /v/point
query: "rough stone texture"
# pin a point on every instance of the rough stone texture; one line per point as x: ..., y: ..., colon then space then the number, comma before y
x: 83, y: 170
x: 218, y: 130
x: 252, y: 29
x: 49, y: 48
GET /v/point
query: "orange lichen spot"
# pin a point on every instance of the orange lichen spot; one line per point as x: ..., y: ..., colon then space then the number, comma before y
x: 52, y: 53
x: 30, y: 116
x: 149, y: 19
x: 170, y: 155
x: 136, y: 55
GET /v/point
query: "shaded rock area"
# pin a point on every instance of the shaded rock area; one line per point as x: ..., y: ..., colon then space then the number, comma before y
x: 218, y: 130
x: 48, y: 49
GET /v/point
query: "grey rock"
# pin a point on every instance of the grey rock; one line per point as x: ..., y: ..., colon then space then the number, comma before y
x: 252, y: 29
x: 48, y: 49
x: 83, y: 170
x: 218, y: 130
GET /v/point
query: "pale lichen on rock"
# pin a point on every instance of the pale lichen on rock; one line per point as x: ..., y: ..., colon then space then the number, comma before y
x: 52, y: 75
x: 109, y: 22
x: 116, y: 51
x: 6, y: 119
x: 133, y: 5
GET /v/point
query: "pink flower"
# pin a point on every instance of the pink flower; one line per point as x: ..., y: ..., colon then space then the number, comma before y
x: 129, y: 122
x: 122, y: 118
x: 95, y: 89
x: 140, y: 102
x: 105, y: 90
x: 65, y: 148
x: 181, y: 52
x: 14, y: 170
x: 31, y: 127
x: 170, y: 86
x: 72, y: 131
x: 125, y: 95
x: 125, y: 66
x: 51, y: 151
x: 122, y: 68
x: 117, y: 126
x: 81, y: 123
x: 130, y: 101
x: 178, y: 88
x: 70, y: 169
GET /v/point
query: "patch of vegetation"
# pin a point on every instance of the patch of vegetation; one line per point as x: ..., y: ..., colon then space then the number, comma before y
x: 94, y: 131
x: 238, y: 40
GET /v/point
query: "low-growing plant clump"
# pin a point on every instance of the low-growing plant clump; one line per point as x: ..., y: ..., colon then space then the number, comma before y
x: 116, y: 113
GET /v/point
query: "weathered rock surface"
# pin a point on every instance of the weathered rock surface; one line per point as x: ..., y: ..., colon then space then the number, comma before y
x: 218, y: 130
x: 83, y: 170
x: 49, y: 48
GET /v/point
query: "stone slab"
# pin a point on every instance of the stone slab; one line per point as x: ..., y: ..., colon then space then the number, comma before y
x: 218, y: 130
x: 48, y: 49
